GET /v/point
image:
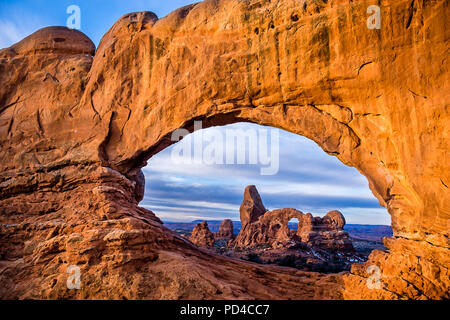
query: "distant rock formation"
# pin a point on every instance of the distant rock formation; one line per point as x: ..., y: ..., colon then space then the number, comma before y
x: 202, y: 236
x: 271, y: 228
x: 225, y: 231
x: 327, y: 232
x: 251, y: 207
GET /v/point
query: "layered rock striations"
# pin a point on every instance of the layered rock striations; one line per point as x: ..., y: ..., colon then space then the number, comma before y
x: 77, y: 126
x: 271, y: 228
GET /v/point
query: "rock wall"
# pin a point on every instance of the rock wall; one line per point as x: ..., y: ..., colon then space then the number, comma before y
x: 76, y: 128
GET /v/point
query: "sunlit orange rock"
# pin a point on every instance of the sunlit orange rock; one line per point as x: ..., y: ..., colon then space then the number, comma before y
x: 76, y: 129
x: 225, y: 231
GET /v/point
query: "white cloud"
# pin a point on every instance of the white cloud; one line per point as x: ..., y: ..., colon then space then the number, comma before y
x: 355, y: 215
x: 10, y: 33
x: 17, y: 24
x: 189, y: 214
x: 316, y: 189
x: 202, y: 204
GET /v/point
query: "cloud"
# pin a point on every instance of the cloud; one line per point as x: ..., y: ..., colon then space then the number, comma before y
x: 17, y: 25
x: 10, y: 33
x: 185, y: 210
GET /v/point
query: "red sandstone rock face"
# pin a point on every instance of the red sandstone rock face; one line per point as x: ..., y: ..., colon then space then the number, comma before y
x: 202, y: 236
x: 75, y: 130
x: 225, y: 231
x: 271, y: 228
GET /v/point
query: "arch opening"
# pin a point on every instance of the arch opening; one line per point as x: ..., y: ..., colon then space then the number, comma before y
x: 196, y: 180
x: 293, y: 225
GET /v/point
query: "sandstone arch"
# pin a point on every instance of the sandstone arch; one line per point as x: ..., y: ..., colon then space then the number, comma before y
x: 77, y: 128
x: 270, y: 228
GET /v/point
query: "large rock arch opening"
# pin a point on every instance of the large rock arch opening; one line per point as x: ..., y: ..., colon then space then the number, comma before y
x: 76, y: 129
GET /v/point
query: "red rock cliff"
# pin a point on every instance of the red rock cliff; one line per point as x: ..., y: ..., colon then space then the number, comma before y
x: 76, y: 128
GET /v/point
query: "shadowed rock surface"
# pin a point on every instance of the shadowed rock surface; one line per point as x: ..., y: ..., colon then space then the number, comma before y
x: 76, y: 129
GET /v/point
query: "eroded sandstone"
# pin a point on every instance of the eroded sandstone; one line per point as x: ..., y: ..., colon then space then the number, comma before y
x: 225, y: 232
x: 76, y: 129
x: 271, y: 227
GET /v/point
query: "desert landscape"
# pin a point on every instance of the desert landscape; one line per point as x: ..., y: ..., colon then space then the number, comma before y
x: 78, y: 124
x: 267, y: 237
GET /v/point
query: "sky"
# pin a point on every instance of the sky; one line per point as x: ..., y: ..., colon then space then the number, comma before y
x: 308, y: 179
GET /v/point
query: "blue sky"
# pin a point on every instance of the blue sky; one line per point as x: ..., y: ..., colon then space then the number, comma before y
x: 308, y: 179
